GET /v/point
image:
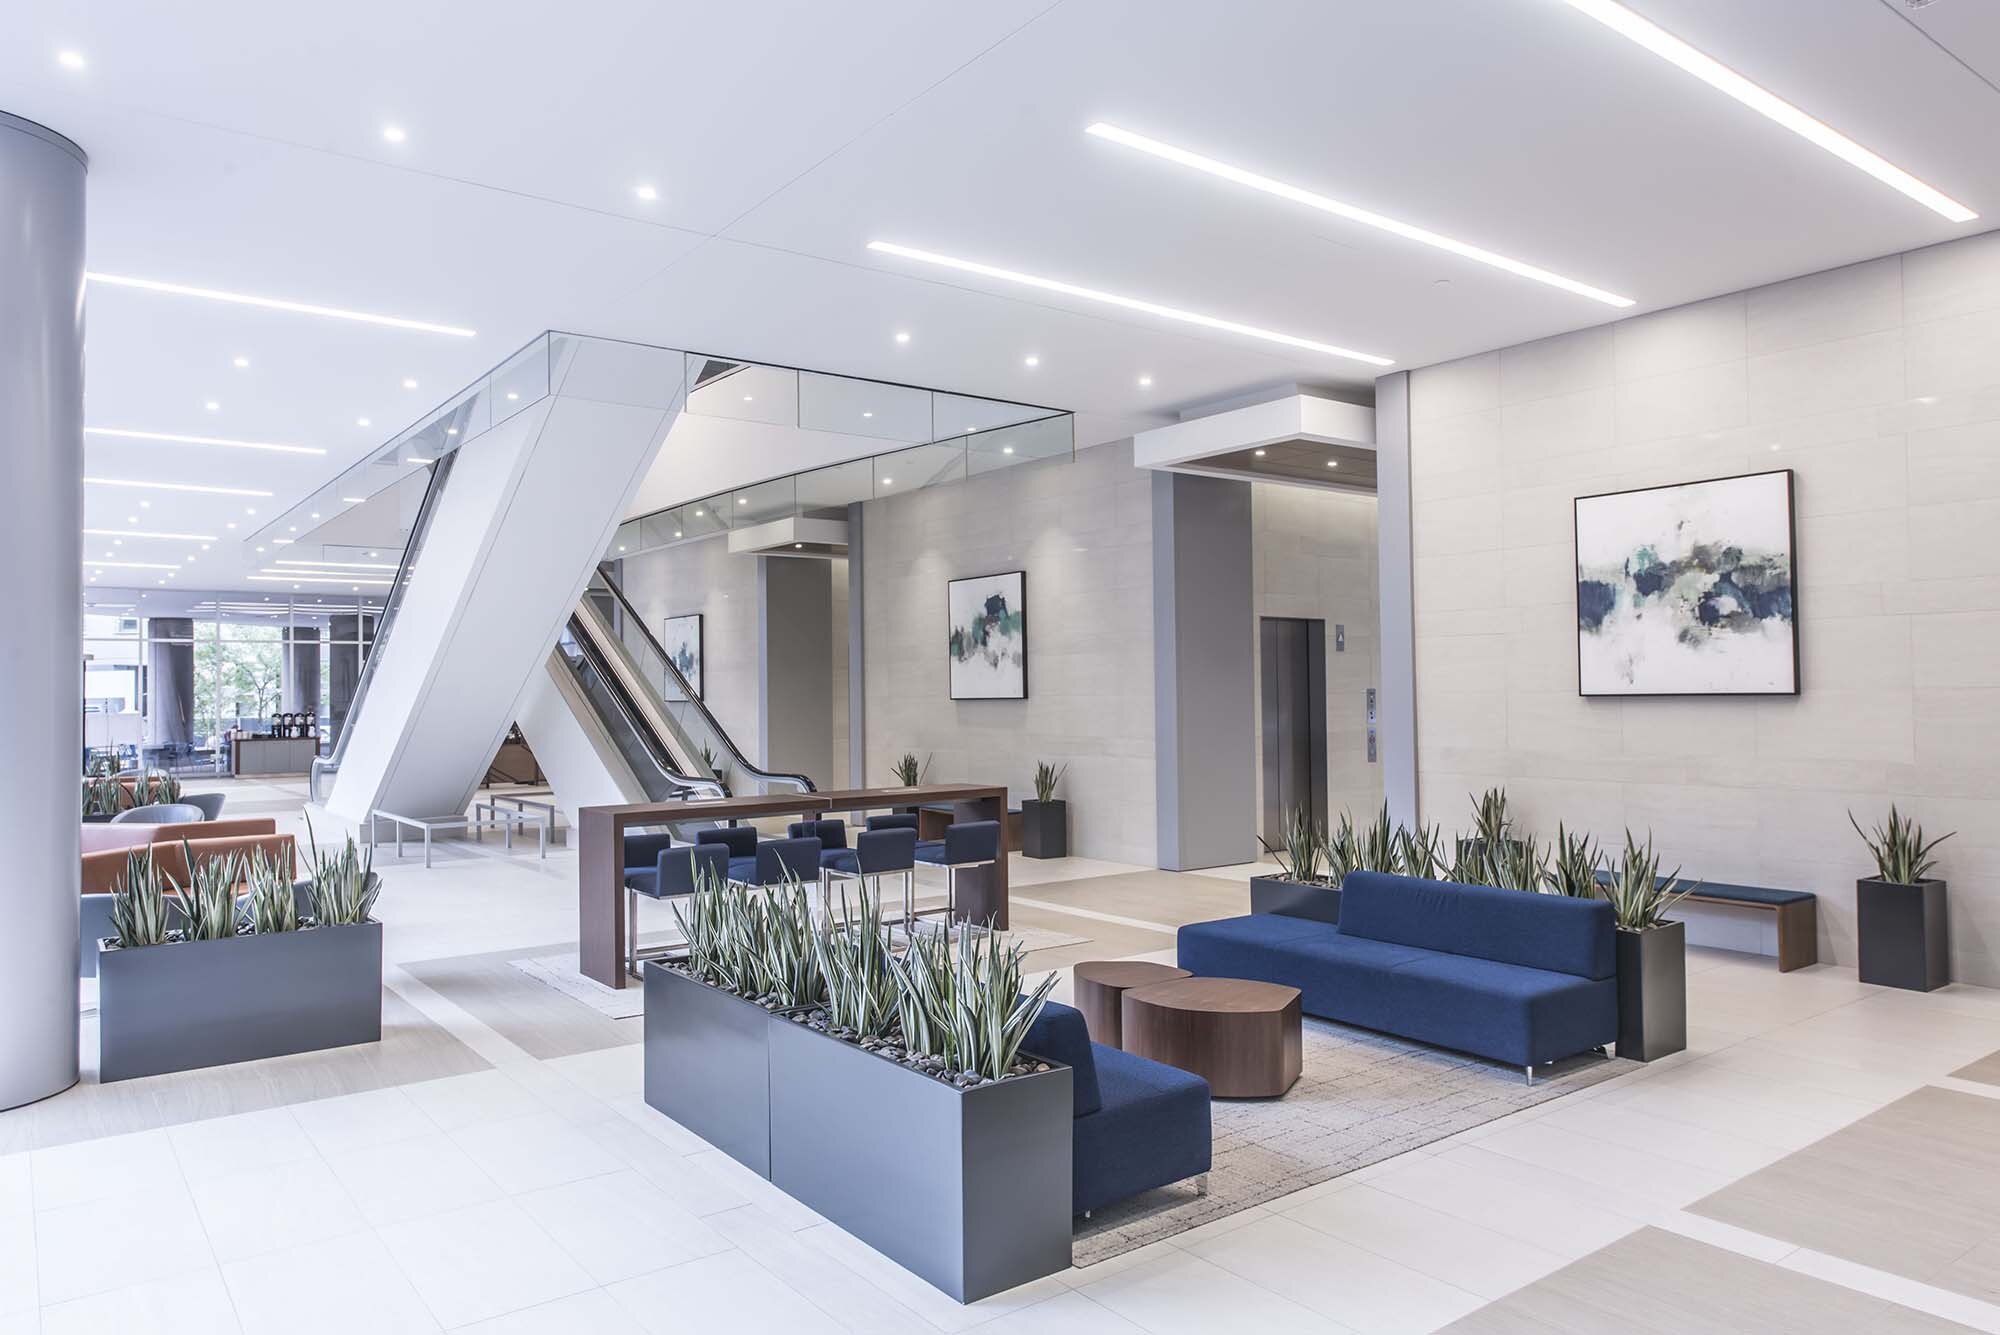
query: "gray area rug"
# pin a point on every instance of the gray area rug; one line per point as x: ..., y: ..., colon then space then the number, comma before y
x: 1362, y: 1097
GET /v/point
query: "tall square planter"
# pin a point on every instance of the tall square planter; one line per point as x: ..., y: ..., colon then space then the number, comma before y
x: 707, y: 1064
x: 1295, y: 899
x: 968, y: 1189
x: 1045, y: 828
x: 188, y: 1004
x: 1903, y: 935
x: 1652, y: 991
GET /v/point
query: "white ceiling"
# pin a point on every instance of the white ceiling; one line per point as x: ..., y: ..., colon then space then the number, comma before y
x: 238, y: 145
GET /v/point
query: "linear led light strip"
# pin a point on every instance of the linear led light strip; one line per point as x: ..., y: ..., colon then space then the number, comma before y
x: 1128, y: 303
x: 1353, y: 213
x: 341, y: 565
x: 122, y: 434
x: 128, y: 565
x: 149, y: 533
x: 275, y: 304
x: 1766, y: 103
x: 173, y: 486
x: 303, y: 578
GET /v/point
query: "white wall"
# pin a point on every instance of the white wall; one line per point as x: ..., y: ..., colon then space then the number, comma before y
x: 1880, y: 384
x: 1083, y: 532
x: 1314, y: 557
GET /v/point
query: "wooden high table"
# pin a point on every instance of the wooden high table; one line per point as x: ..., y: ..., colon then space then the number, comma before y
x: 601, y: 925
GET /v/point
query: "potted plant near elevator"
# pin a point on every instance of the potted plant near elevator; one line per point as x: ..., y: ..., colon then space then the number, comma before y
x: 1652, y: 954
x: 1045, y: 818
x: 1903, y: 936
x: 202, y: 975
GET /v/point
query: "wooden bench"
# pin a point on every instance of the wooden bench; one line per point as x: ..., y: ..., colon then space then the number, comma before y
x: 1797, y: 911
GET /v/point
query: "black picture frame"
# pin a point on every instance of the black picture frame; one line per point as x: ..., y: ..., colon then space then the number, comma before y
x: 1021, y: 577
x: 1792, y: 552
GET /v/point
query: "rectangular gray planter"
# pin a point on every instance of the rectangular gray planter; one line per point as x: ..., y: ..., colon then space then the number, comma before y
x: 1295, y: 899
x: 1045, y: 828
x: 188, y: 1004
x: 968, y: 1189
x: 707, y: 1065
x: 1902, y: 933
x: 1652, y: 992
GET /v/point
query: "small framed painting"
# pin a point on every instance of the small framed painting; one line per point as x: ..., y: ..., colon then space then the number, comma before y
x: 1689, y: 589
x: 988, y: 641
x: 682, y: 642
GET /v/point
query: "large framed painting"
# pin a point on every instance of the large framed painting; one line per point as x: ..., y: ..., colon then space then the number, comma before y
x: 683, y: 645
x: 1689, y: 589
x: 989, y: 637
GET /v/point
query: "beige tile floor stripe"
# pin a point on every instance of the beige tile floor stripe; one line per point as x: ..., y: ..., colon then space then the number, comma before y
x: 1986, y: 1070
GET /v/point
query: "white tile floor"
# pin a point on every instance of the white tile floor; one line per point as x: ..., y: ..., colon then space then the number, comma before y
x: 544, y: 1196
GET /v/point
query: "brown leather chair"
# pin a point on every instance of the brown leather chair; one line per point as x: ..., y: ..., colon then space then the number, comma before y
x: 104, y: 869
x: 97, y: 838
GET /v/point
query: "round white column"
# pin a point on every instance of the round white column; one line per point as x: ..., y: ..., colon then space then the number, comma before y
x: 41, y: 653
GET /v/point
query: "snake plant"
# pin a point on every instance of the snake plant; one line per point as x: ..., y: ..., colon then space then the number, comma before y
x: 1305, y: 843
x: 1047, y: 776
x: 1573, y: 868
x: 1420, y: 853
x: 1518, y: 864
x: 790, y: 964
x: 1377, y: 848
x: 1491, y: 822
x: 272, y: 907
x: 1902, y: 854
x: 994, y: 1015
x: 724, y: 926
x: 208, y: 902
x: 139, y: 902
x: 854, y: 958
x: 344, y: 884
x: 1640, y: 897
x: 1343, y: 853
x: 157, y: 786
x: 907, y: 771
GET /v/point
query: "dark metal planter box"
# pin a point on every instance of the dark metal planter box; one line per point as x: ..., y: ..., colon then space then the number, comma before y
x: 968, y: 1189
x: 707, y: 1065
x: 1652, y: 992
x: 1295, y: 899
x: 1045, y: 828
x: 188, y: 1004
x: 1903, y: 935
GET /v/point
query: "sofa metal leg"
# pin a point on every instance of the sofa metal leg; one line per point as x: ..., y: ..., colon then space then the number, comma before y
x: 1201, y: 1184
x: 1531, y: 1073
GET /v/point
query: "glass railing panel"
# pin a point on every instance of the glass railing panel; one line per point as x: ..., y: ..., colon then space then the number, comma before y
x: 922, y: 466
x: 701, y: 518
x: 961, y: 414
x: 1051, y: 437
x: 609, y: 371
x: 763, y: 503
x: 743, y: 391
x: 520, y: 381
x: 837, y: 487
x: 864, y: 408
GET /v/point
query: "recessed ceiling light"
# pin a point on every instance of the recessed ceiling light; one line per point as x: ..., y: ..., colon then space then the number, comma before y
x: 70, y: 60
x: 150, y: 533
x: 451, y: 431
x: 409, y: 382
x: 746, y: 398
x: 1768, y: 104
x: 742, y: 500
x: 131, y: 519
x: 374, y: 553
x: 275, y: 304
x: 868, y: 414
x: 395, y: 134
x: 352, y: 500
x: 511, y: 394
x: 260, y: 549
x: 291, y: 528
x: 1353, y: 213
x: 677, y: 533
x: 315, y: 514
x: 204, y: 546
x: 798, y: 546
x: 241, y: 363
x: 116, y: 542
x: 888, y: 481
x: 212, y: 406
x: 1145, y: 382
x: 697, y: 514
x: 646, y: 192
x: 1031, y: 360
x: 1260, y: 454
x: 145, y: 505
x: 1125, y: 302
x: 361, y: 421
x: 621, y: 546
x: 902, y: 337
x: 220, y: 442
x: 1006, y: 449
x: 174, y: 486
x: 251, y: 509
x: 1333, y: 463
x: 415, y: 459
x: 230, y: 524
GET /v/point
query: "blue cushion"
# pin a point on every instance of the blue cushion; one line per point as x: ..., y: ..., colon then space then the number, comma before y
x: 831, y: 833
x: 1153, y: 1130
x: 741, y: 839
x: 841, y: 859
x: 646, y: 880
x: 744, y: 870
x: 1060, y: 1035
x: 1555, y: 932
x: 898, y: 820
x: 1750, y: 894
x: 643, y: 850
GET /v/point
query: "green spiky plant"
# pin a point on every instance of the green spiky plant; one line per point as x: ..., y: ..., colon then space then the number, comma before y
x: 1574, y: 865
x: 907, y: 771
x: 1343, y: 851
x: 791, y: 973
x: 1518, y: 864
x: 139, y: 902
x: 1420, y: 852
x: 1492, y: 824
x: 925, y: 997
x: 344, y: 884
x: 711, y: 761
x: 1378, y: 848
x: 157, y: 786
x: 208, y: 902
x: 272, y: 906
x: 1468, y: 863
x: 724, y: 925
x: 1902, y: 854
x: 1047, y: 776
x: 1305, y: 844
x: 1640, y: 897
x: 993, y: 1013
x: 853, y: 957
x: 105, y: 795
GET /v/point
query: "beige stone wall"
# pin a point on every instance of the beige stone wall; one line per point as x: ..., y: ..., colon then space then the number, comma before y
x: 1880, y: 385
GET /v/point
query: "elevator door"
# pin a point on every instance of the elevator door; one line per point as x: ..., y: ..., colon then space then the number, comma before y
x: 1293, y: 655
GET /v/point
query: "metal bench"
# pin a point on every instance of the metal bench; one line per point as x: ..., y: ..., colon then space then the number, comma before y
x: 505, y: 820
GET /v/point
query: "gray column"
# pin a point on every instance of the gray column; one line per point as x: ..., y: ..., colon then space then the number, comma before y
x: 795, y: 673
x: 343, y: 667
x: 1396, y: 707
x: 857, y: 654
x: 170, y: 684
x: 1203, y: 672
x: 41, y: 536
x: 301, y: 683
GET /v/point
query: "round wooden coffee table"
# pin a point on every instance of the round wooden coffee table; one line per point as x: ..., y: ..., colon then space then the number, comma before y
x: 1099, y: 984
x: 1242, y: 1036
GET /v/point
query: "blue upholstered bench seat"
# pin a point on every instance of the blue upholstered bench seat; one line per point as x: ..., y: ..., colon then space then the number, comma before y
x: 1519, y: 978
x: 1750, y: 894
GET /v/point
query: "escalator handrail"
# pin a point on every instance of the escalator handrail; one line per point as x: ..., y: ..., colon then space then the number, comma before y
x: 736, y: 757
x: 579, y: 631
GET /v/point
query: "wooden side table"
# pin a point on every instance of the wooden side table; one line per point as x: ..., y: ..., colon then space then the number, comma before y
x: 1242, y: 1036
x: 1100, y: 984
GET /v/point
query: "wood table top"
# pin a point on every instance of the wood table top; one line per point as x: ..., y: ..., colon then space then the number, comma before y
x: 1214, y: 996
x: 1127, y: 973
x: 778, y: 804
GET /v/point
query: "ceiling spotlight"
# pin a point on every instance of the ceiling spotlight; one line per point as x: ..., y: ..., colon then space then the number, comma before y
x: 409, y: 383
x: 1333, y: 463
x: 1006, y: 449
x: 1260, y: 454
x: 118, y: 542
x: 646, y: 192
x: 374, y: 553
x: 315, y: 514
x: 291, y: 528
x: 249, y: 509
x: 798, y: 546
x: 451, y: 431
x: 1031, y: 360
x: 888, y: 481
x: 361, y: 421
x: 212, y: 406
x: 145, y: 505
x: 746, y: 398
x: 70, y: 60
x: 902, y: 337
x: 131, y: 519
x: 231, y: 524
x: 621, y: 546
x: 511, y: 394
x: 1145, y: 382
x: 677, y: 533
x: 241, y: 363
x: 742, y: 500
x: 697, y: 514
x: 868, y: 414
x: 395, y: 134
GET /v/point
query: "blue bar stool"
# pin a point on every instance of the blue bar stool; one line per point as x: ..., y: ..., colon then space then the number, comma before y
x: 780, y: 860
x: 832, y: 836
x: 966, y: 845
x: 676, y: 872
x: 876, y: 853
x: 741, y: 841
x: 897, y: 820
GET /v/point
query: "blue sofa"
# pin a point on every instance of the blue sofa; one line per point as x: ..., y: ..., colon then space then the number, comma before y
x: 1139, y: 1124
x: 1516, y: 977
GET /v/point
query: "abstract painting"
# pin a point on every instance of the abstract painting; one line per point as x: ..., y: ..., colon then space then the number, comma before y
x: 989, y: 637
x: 683, y: 645
x: 1688, y: 589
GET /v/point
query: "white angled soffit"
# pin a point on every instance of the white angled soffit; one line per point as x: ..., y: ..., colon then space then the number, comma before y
x: 794, y: 535
x: 1225, y: 444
